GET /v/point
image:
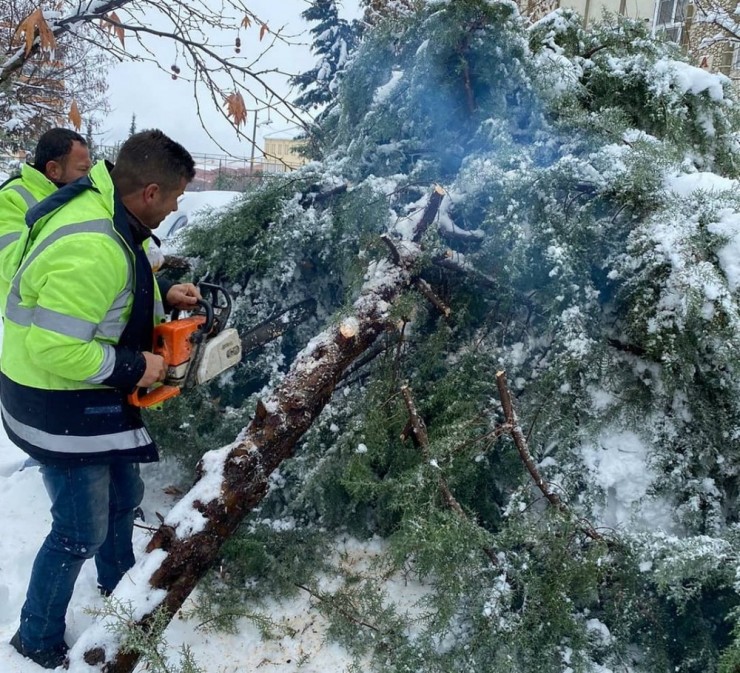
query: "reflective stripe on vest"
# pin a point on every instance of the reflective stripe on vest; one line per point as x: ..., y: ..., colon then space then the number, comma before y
x: 71, y: 444
x: 111, y: 326
x: 106, y: 367
x: 159, y: 314
x: 29, y: 198
x: 53, y: 321
x: 7, y: 239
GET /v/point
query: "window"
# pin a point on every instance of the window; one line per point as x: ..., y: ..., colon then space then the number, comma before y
x: 180, y: 223
x: 672, y: 33
x: 736, y: 57
x: 669, y: 18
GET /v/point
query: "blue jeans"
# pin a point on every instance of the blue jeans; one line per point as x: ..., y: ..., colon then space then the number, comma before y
x: 92, y: 509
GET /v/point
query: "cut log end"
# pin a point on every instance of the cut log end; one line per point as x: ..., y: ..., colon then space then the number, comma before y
x: 349, y: 328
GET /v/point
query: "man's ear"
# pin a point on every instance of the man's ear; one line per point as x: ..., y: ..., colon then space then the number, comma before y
x: 53, y: 170
x: 150, y: 192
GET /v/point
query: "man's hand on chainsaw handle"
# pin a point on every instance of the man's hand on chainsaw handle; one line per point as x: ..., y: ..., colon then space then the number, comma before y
x: 155, y: 370
x: 183, y: 296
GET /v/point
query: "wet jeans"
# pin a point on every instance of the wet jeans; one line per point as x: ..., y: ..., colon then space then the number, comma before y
x: 92, y: 508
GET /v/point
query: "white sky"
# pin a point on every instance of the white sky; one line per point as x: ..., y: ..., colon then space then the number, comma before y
x: 160, y: 102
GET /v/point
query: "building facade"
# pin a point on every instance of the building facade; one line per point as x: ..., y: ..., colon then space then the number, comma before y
x: 283, y: 154
x: 590, y: 10
x: 708, y: 31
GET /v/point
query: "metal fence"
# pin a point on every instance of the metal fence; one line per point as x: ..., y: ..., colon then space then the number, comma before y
x: 212, y: 171
x: 220, y: 172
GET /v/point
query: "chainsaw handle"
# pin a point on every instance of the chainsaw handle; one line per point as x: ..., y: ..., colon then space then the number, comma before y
x: 208, y: 310
x: 148, y: 397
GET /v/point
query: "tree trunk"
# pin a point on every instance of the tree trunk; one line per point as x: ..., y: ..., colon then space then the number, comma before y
x: 233, y: 480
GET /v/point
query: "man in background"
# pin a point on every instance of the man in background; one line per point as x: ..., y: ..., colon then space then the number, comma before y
x: 61, y: 157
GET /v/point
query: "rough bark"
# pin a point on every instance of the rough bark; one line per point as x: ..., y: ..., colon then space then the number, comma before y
x: 180, y: 552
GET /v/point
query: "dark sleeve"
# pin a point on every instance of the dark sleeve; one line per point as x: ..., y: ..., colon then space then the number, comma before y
x: 128, y: 370
x: 164, y: 288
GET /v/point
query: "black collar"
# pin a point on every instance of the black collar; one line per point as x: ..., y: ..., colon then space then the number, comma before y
x: 138, y: 230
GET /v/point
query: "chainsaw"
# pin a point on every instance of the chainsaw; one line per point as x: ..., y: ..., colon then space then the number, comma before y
x: 199, y: 347
x: 196, y: 348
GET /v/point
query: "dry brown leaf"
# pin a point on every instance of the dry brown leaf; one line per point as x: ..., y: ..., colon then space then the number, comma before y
x: 118, y: 30
x: 236, y: 109
x: 246, y: 22
x: 74, y: 116
x: 263, y: 29
x: 36, y: 23
x: 107, y: 24
x: 172, y: 490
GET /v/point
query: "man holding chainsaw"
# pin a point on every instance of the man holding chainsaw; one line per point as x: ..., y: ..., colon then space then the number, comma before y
x: 61, y: 156
x: 77, y: 341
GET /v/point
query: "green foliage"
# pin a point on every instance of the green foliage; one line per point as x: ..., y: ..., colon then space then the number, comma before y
x: 730, y: 660
x: 333, y: 41
x: 200, y: 424
x: 413, y: 95
x: 591, y: 268
x: 148, y: 642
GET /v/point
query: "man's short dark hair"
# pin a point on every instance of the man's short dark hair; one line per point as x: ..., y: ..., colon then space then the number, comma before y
x: 150, y: 157
x: 55, y: 145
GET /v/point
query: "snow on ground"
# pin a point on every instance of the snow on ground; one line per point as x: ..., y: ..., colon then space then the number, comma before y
x: 23, y: 525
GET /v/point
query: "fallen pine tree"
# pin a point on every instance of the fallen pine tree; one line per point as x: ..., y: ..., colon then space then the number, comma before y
x: 586, y: 246
x: 233, y: 480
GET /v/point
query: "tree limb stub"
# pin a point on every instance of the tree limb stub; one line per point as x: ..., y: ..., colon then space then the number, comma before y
x: 231, y: 481
x: 419, y: 431
x: 430, y: 212
x: 520, y: 441
x: 426, y: 290
x: 450, y: 259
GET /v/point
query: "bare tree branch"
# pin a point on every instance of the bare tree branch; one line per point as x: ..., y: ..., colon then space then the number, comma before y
x: 419, y: 430
x: 520, y: 441
x: 200, y: 34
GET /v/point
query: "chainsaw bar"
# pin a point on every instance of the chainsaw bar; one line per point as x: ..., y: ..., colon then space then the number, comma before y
x: 277, y: 325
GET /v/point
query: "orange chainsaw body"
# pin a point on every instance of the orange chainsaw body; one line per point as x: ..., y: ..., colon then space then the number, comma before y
x: 173, y: 340
x: 195, y: 349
